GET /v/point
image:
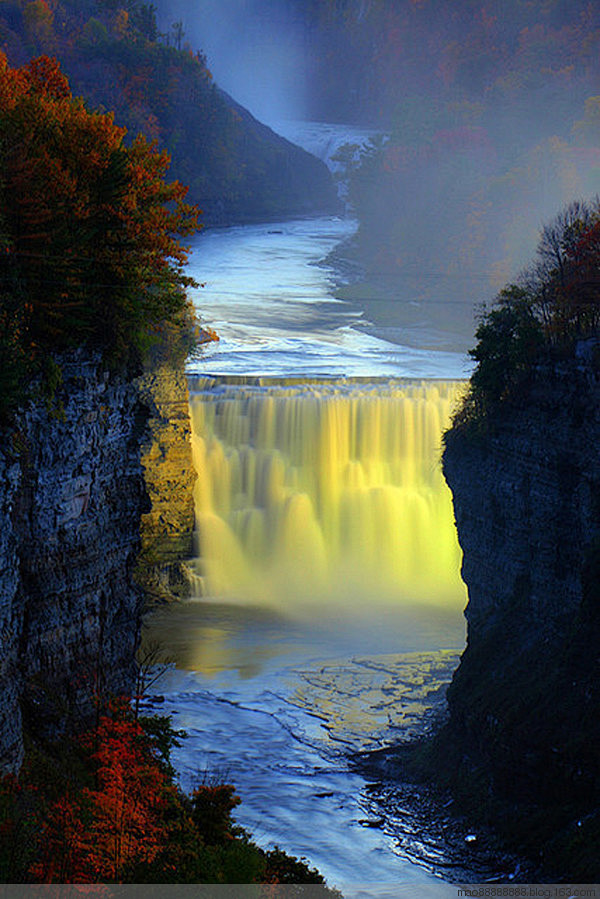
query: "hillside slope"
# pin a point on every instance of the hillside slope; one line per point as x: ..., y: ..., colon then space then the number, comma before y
x: 236, y: 169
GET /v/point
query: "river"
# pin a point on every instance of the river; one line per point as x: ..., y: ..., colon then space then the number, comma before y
x: 278, y: 688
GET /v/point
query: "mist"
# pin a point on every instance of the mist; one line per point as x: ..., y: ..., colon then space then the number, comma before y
x: 490, y: 108
x: 254, y: 49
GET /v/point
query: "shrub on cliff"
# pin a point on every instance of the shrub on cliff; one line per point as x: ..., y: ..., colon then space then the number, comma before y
x: 555, y: 303
x: 89, y: 252
x: 104, y: 808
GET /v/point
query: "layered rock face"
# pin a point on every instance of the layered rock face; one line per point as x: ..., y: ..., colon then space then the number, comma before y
x: 10, y: 712
x: 167, y: 528
x: 71, y: 496
x: 525, y: 700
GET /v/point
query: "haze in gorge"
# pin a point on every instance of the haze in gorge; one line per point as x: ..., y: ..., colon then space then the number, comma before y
x: 327, y: 607
x: 488, y: 121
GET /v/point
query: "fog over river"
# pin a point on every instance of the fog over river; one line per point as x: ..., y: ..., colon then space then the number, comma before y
x: 269, y: 292
x: 318, y: 447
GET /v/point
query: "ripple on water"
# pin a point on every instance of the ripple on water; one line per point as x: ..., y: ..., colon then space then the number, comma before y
x: 285, y: 735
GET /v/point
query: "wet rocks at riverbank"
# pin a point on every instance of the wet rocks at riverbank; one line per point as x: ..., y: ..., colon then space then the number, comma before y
x: 427, y: 827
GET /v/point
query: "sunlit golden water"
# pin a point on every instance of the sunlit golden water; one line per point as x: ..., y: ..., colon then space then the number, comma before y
x: 324, y: 492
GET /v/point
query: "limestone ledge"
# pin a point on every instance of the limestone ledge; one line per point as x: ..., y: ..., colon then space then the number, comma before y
x: 167, y: 527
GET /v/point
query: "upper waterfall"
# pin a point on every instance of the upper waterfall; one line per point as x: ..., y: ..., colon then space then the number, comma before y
x: 312, y: 492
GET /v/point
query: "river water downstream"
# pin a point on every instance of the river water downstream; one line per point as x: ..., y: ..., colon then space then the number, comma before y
x: 309, y: 428
x: 269, y: 294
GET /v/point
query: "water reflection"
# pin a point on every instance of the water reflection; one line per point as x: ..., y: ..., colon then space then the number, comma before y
x: 213, y: 638
x: 275, y: 705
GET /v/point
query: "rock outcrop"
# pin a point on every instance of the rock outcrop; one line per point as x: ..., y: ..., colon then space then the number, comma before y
x: 167, y: 528
x: 11, y: 747
x: 71, y: 496
x: 524, y: 729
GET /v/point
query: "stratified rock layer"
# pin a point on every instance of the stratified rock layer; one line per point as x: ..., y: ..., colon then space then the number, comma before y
x: 167, y: 528
x: 71, y: 496
x: 525, y: 700
x: 10, y: 712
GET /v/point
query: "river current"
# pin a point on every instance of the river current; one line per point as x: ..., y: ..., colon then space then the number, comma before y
x: 277, y: 697
x: 270, y: 295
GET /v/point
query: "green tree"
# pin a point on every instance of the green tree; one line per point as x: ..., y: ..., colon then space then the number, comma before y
x: 555, y: 303
x: 509, y: 339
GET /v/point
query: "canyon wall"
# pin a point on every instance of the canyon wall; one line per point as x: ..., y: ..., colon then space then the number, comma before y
x: 71, y: 495
x: 524, y: 727
x: 11, y: 747
x: 167, y: 527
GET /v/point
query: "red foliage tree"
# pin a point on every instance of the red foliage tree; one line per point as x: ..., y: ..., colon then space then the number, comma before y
x: 582, y: 281
x: 103, y: 833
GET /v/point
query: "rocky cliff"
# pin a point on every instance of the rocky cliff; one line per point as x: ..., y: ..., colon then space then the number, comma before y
x: 524, y: 730
x: 10, y: 713
x: 167, y: 527
x: 71, y: 496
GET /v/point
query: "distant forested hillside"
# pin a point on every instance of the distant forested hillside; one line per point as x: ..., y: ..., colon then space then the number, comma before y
x: 156, y: 84
x: 373, y: 59
x: 493, y: 109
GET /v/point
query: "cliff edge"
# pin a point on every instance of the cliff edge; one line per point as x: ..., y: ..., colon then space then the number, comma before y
x: 167, y: 526
x: 71, y: 496
x: 523, y: 740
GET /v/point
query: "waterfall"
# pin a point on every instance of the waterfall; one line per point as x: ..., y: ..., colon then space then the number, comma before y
x: 323, y: 492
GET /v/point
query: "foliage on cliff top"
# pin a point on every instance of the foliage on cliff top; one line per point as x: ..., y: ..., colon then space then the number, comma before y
x: 156, y: 84
x: 104, y: 808
x: 554, y: 305
x: 89, y: 253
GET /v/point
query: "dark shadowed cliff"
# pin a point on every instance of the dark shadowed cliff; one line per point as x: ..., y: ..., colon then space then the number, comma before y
x: 524, y: 731
x: 72, y: 494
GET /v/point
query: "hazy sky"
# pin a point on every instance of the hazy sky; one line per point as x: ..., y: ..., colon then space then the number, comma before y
x: 253, y: 47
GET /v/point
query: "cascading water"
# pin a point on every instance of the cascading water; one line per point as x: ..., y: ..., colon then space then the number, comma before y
x: 323, y: 492
x: 326, y: 538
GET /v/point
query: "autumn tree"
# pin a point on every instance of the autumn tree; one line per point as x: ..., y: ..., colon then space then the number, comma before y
x: 104, y: 807
x: 554, y: 304
x: 582, y: 290
x: 563, y: 284
x: 89, y: 248
x: 101, y: 833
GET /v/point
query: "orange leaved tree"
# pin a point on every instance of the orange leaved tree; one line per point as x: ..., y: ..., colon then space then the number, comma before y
x: 89, y: 249
x: 101, y: 834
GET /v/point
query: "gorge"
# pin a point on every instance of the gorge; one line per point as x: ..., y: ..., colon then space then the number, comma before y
x: 319, y: 498
x: 279, y: 508
x: 327, y: 602
x: 325, y: 613
x: 526, y: 513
